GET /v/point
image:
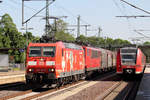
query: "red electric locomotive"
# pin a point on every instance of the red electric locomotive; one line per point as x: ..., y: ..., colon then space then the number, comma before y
x: 54, y: 62
x: 58, y: 63
x: 92, y: 60
x: 98, y: 59
x: 130, y: 60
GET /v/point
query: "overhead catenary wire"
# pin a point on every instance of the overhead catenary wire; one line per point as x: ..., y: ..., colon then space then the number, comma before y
x: 142, y: 30
x: 66, y: 10
x: 38, y: 12
x: 116, y: 4
x: 73, y: 16
x: 19, y: 3
x: 136, y: 16
x: 135, y: 7
x: 124, y: 13
x: 8, y: 4
x: 128, y: 21
x: 141, y: 34
x: 69, y: 12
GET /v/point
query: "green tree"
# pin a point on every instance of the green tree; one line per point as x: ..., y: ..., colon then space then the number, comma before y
x: 146, y: 43
x: 1, y: 36
x: 82, y: 39
x: 60, y: 34
x: 120, y: 42
x: 10, y: 37
x: 94, y: 41
x: 10, y: 32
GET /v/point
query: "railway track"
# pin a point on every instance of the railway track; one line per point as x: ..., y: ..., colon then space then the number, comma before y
x: 109, y: 92
x: 120, y: 89
x: 123, y: 90
x: 64, y: 90
x: 4, y: 86
x: 14, y: 89
x: 132, y: 90
x: 38, y: 94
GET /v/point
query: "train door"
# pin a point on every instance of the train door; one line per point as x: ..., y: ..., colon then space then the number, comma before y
x: 109, y: 60
x: 104, y: 60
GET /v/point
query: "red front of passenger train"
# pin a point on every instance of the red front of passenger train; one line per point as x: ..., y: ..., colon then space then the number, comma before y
x: 130, y: 61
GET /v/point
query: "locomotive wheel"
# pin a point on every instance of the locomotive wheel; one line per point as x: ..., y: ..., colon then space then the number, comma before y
x: 76, y: 78
x: 63, y: 82
x: 59, y: 82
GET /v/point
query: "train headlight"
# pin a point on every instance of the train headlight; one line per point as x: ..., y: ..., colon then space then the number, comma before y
x: 31, y: 70
x: 51, y: 70
x: 50, y: 63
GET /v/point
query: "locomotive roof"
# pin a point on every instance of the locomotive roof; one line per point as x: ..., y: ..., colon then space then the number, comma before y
x: 72, y: 46
x: 100, y: 49
x: 66, y: 45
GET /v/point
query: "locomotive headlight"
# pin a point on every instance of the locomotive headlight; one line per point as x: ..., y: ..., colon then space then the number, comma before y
x: 50, y: 63
x: 51, y: 70
x: 31, y: 70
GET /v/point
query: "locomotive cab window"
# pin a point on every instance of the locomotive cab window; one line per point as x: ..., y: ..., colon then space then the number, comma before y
x: 129, y: 57
x: 35, y: 51
x: 49, y: 51
x: 126, y: 59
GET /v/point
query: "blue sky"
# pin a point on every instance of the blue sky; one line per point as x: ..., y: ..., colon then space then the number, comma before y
x: 94, y: 12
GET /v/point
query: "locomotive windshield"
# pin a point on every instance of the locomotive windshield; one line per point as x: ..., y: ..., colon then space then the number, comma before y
x: 49, y: 51
x: 129, y: 59
x: 42, y: 51
x: 35, y: 51
x: 128, y: 56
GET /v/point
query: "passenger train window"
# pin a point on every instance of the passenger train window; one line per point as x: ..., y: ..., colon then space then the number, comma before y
x: 35, y: 51
x: 49, y: 51
x: 95, y: 54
